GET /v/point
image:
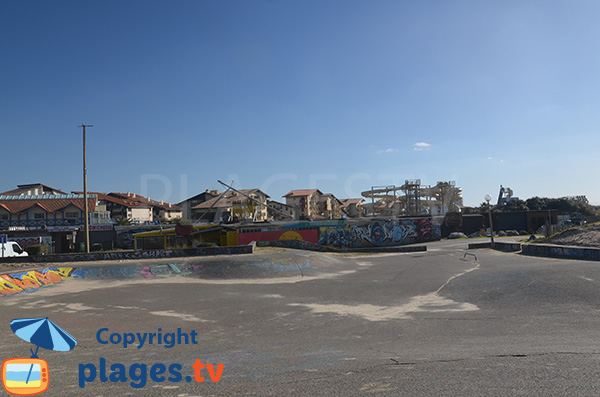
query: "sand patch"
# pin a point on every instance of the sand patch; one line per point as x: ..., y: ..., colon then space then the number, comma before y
x: 431, y: 302
x: 181, y: 316
x: 424, y: 303
x: 587, y: 236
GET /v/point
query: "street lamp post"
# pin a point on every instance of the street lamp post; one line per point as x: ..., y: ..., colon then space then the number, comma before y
x: 86, y: 216
x: 488, y: 198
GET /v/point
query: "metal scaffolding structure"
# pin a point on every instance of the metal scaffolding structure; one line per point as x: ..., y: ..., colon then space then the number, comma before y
x: 412, y: 199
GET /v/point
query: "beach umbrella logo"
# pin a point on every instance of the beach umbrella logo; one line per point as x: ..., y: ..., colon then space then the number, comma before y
x: 30, y: 376
x: 43, y: 333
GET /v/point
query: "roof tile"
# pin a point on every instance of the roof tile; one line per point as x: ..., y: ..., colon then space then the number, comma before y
x: 301, y: 193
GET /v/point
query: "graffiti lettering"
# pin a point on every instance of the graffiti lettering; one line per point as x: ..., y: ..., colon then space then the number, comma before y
x: 169, y: 270
x: 31, y: 280
x: 149, y: 254
x: 381, y: 234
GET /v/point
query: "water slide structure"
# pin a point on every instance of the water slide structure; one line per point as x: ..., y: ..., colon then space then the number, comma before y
x: 412, y: 198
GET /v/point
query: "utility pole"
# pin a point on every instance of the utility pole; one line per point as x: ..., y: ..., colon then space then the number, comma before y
x: 85, y: 195
x: 488, y: 198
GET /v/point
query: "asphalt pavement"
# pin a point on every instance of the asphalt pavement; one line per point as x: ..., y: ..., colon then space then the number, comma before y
x: 410, y: 324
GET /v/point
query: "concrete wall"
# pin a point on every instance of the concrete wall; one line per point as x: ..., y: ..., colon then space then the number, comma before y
x: 303, y: 245
x: 554, y: 251
x: 501, y: 246
x: 311, y: 236
x: 381, y: 233
x: 295, y: 244
x: 545, y: 250
x: 122, y: 255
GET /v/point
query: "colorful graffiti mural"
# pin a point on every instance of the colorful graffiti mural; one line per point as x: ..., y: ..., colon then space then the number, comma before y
x: 29, y: 281
x: 169, y: 270
x: 26, y: 242
x: 381, y: 234
x: 312, y: 236
x: 428, y: 229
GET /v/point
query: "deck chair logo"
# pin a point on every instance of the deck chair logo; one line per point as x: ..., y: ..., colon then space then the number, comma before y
x: 30, y: 376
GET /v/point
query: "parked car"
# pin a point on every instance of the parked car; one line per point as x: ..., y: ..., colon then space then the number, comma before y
x: 11, y: 249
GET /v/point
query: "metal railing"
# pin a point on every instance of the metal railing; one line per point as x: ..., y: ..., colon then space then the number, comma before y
x: 41, y: 222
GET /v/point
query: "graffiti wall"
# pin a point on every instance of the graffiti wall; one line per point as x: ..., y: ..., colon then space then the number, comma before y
x: 25, y: 242
x: 169, y: 270
x: 124, y: 238
x: 311, y: 236
x: 150, y: 254
x: 32, y: 280
x: 381, y: 233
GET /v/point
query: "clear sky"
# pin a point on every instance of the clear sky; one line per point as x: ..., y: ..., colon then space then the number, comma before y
x: 281, y: 95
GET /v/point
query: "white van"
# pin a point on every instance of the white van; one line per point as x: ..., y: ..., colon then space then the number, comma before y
x: 10, y: 249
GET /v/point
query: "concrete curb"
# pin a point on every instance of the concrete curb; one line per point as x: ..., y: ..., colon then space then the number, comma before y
x: 545, y: 250
x: 303, y: 245
x: 147, y: 254
x: 501, y: 246
x: 402, y: 248
x: 561, y: 251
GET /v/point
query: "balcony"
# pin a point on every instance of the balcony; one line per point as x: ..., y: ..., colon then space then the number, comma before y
x: 40, y: 223
x: 100, y: 218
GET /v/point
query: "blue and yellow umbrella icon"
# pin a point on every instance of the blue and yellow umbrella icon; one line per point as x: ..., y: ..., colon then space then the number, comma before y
x: 43, y: 333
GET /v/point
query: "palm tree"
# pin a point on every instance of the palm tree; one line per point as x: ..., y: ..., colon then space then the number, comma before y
x: 123, y: 221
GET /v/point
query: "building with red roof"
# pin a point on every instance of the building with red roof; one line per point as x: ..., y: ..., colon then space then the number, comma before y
x: 242, y: 205
x: 353, y: 207
x: 50, y: 210
x: 161, y: 211
x: 305, y: 202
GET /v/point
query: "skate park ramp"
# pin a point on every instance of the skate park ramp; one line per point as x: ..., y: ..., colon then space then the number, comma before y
x: 269, y: 264
x: 275, y: 263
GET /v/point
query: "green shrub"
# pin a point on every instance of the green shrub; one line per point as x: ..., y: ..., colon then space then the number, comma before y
x: 37, y: 249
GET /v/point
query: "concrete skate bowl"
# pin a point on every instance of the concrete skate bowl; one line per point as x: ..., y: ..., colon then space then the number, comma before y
x: 282, y: 263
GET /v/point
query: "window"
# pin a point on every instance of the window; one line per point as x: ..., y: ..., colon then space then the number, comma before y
x: 4, y: 217
x: 39, y: 216
x: 71, y: 214
x: 17, y: 248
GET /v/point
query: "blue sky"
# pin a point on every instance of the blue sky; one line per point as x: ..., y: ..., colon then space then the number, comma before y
x: 282, y: 95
